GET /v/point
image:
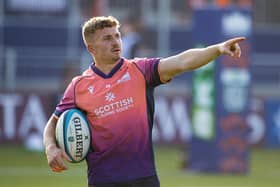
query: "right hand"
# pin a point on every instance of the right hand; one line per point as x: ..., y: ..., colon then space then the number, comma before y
x: 55, y: 157
x: 231, y: 47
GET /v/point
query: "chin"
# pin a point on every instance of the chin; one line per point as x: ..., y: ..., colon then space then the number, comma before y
x: 116, y: 58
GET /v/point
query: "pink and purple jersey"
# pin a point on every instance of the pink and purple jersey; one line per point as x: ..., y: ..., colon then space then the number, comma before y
x: 120, y: 108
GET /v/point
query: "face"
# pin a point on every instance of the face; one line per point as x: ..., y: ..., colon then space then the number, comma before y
x: 106, y: 45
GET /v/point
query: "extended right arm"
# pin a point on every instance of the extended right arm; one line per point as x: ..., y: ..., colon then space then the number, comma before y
x: 54, y: 154
x: 194, y: 58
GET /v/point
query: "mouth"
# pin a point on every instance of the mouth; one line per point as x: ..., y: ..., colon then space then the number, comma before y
x: 116, y: 50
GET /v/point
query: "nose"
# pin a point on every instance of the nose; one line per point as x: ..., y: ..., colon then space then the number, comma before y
x: 116, y: 42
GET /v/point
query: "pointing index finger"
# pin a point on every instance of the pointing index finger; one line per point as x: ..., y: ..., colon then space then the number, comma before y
x: 236, y: 40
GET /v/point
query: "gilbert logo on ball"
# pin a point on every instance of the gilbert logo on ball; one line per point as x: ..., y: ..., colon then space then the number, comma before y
x: 73, y: 134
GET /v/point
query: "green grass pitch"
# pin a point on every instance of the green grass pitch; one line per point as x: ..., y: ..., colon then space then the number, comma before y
x: 22, y: 168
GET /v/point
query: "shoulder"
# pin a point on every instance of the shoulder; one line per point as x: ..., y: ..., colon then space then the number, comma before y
x: 147, y: 64
x: 86, y: 74
x: 143, y: 62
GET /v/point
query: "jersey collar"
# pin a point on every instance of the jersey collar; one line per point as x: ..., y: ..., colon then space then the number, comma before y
x: 112, y: 72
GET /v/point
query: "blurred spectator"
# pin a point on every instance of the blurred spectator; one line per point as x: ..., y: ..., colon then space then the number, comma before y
x: 223, y: 3
x: 245, y: 3
x: 227, y: 3
x: 197, y: 3
x: 219, y: 3
x: 131, y: 36
x: 91, y: 8
x: 69, y: 70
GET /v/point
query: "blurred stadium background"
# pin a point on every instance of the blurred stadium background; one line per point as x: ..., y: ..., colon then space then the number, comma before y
x: 41, y: 49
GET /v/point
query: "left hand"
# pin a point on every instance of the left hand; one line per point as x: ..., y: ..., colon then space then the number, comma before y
x: 231, y: 47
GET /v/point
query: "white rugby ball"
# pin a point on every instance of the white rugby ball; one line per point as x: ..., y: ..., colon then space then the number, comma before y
x: 73, y: 134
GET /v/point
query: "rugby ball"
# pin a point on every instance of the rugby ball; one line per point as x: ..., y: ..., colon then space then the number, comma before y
x: 73, y: 134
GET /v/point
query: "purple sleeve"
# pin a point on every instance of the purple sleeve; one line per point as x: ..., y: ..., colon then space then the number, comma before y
x: 67, y: 101
x: 149, y: 68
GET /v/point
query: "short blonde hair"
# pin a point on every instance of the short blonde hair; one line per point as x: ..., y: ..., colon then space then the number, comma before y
x: 97, y: 23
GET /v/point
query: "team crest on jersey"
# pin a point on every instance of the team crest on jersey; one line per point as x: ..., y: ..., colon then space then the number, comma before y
x: 125, y: 77
x: 110, y: 96
x: 91, y: 89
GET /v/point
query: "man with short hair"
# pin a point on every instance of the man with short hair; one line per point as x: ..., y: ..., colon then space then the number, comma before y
x: 117, y: 96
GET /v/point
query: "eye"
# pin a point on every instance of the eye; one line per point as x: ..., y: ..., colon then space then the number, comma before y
x: 107, y: 38
x: 118, y: 35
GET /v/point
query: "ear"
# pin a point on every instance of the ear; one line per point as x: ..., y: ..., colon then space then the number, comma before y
x: 90, y: 49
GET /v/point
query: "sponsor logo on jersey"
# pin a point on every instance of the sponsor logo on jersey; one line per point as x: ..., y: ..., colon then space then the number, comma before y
x: 114, y: 107
x: 124, y: 78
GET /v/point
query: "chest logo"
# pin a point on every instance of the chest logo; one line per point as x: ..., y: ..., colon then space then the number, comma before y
x: 91, y: 89
x: 124, y: 78
x: 110, y: 96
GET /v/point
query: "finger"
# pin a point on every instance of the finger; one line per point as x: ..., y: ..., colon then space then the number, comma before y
x: 239, y: 54
x: 53, y: 164
x: 61, y: 165
x: 57, y: 166
x: 228, y: 52
x: 235, y: 40
x: 57, y: 169
x: 66, y: 157
x: 237, y: 50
